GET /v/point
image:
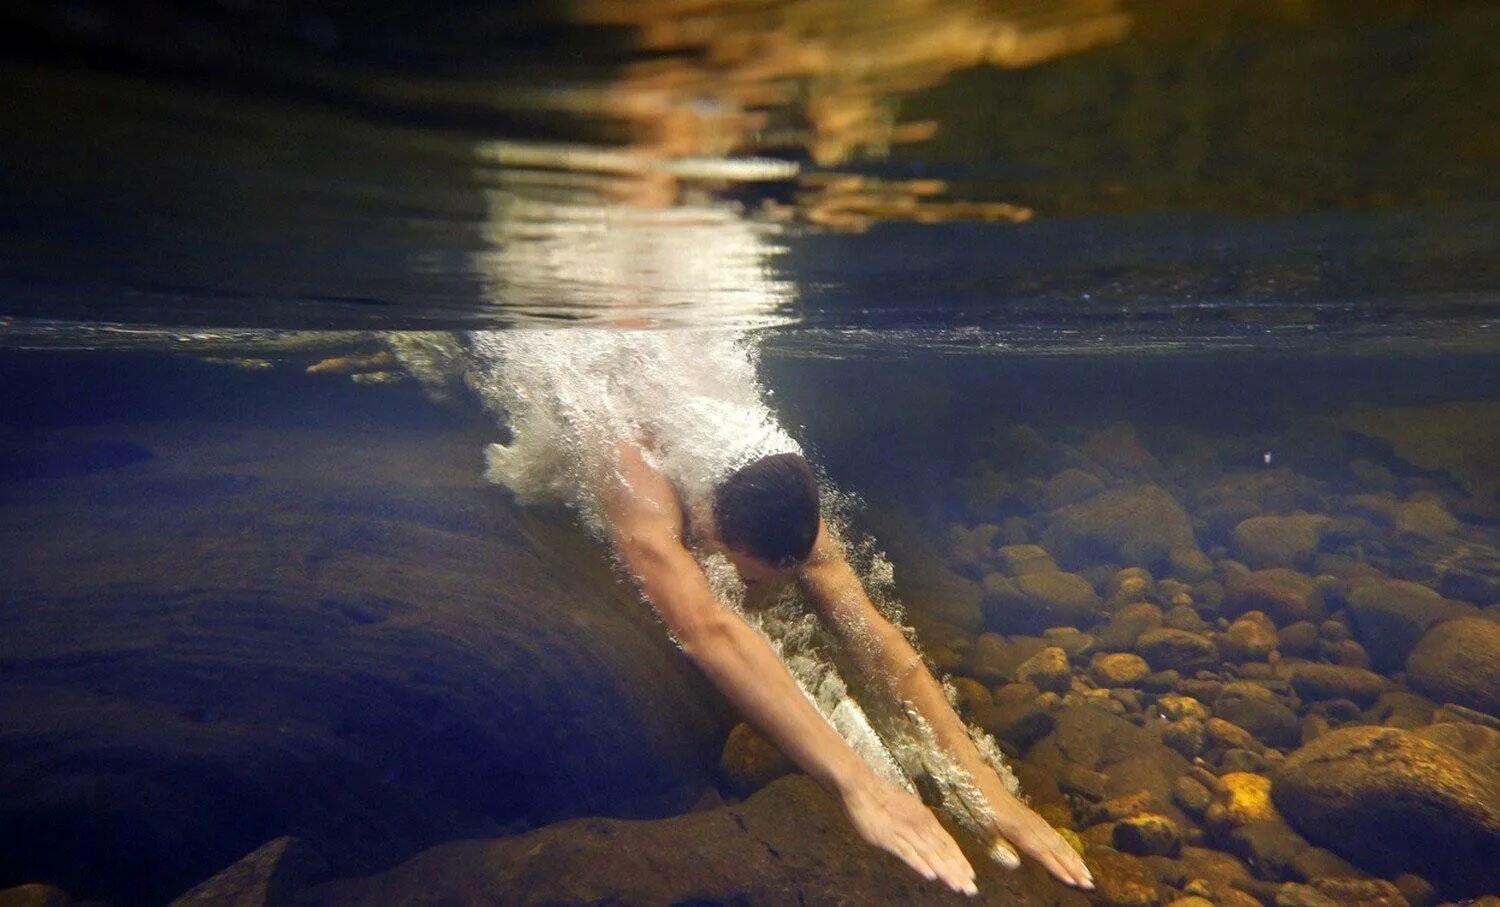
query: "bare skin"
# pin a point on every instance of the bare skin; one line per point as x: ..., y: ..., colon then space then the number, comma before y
x: 646, y: 525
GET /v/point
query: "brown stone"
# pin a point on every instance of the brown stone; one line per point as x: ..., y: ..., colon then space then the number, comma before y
x: 969, y: 694
x: 995, y: 657
x: 1138, y: 525
x: 1391, y: 616
x: 1459, y: 661
x: 34, y: 895
x: 1179, y: 650
x: 1258, y: 711
x: 1126, y: 624
x: 1132, y: 584
x: 750, y: 761
x: 1119, y: 669
x: 1393, y: 801
x: 1187, y: 736
x: 1285, y: 596
x: 789, y: 843
x: 1046, y: 670
x: 1174, y: 707
x: 1359, y: 892
x: 271, y: 875
x: 1252, y: 637
x: 1226, y: 734
x: 1320, y: 681
x: 1147, y: 834
x: 1121, y: 880
x: 1130, y: 757
x: 1191, y: 796
x: 1018, y: 560
x: 1299, y: 640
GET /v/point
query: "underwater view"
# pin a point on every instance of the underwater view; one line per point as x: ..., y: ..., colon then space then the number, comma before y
x: 687, y: 452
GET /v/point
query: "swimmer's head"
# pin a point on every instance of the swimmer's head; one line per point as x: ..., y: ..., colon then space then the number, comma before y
x: 766, y: 514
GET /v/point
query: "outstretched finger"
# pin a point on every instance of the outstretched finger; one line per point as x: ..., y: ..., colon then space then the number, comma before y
x: 1073, y: 864
x: 912, y: 858
x: 953, y: 858
x: 946, y: 870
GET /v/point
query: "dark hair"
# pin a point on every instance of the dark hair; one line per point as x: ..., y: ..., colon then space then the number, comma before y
x: 769, y: 509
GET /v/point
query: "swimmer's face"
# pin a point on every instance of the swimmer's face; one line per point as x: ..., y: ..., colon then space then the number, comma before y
x: 758, y: 573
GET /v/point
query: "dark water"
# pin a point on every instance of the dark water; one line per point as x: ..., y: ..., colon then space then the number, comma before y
x: 1247, y: 256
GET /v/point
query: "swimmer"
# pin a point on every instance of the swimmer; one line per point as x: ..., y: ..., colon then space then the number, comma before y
x: 764, y: 518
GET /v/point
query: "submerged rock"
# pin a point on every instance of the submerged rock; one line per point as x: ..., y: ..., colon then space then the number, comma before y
x: 34, y: 894
x: 1460, y: 438
x: 1131, y: 758
x: 363, y: 643
x: 1242, y: 798
x: 1459, y: 661
x: 1251, y: 637
x: 750, y: 761
x: 1122, y: 880
x: 1018, y: 560
x: 1180, y: 650
x: 995, y: 658
x: 1046, y: 670
x: 1147, y: 835
x: 1069, y: 487
x: 1119, y: 450
x: 1393, y: 801
x: 1034, y: 602
x: 1140, y: 525
x: 268, y: 877
x: 1285, y: 596
x: 1278, y: 541
x: 1322, y: 681
x: 1126, y: 625
x: 1017, y: 723
x: 1258, y: 711
x: 1119, y: 669
x: 1391, y: 616
x: 790, y: 843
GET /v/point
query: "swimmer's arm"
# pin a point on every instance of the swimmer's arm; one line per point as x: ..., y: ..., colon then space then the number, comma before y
x: 645, y: 524
x: 882, y: 653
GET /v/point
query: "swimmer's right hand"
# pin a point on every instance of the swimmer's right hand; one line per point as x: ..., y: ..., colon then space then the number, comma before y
x: 897, y: 822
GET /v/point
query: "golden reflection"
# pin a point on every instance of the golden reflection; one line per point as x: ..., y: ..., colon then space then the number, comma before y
x: 732, y: 91
x: 821, y: 75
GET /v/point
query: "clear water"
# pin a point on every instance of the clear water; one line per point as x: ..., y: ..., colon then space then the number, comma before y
x: 256, y: 582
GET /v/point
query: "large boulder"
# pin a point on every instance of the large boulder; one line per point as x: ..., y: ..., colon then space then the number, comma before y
x: 1391, y: 616
x: 791, y: 843
x: 1283, y: 595
x: 1459, y: 661
x: 1140, y: 525
x: 1460, y: 438
x: 1278, y: 541
x: 1033, y: 602
x: 1130, y: 758
x: 339, y: 632
x: 270, y: 876
x: 1394, y: 801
